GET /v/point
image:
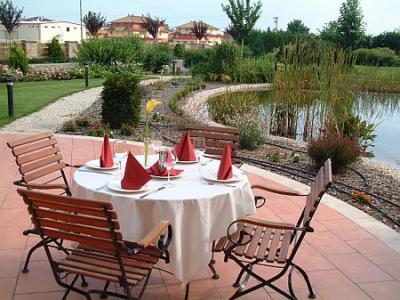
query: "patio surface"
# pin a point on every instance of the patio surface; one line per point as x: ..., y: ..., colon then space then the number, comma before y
x: 343, y: 260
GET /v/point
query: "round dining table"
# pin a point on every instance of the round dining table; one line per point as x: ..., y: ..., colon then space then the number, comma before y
x: 200, y: 210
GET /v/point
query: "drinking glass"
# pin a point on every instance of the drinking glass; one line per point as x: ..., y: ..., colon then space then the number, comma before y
x: 156, y: 141
x: 169, y: 162
x: 120, y: 153
x: 199, y: 144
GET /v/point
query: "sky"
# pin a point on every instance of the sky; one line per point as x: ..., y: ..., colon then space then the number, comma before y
x: 379, y: 15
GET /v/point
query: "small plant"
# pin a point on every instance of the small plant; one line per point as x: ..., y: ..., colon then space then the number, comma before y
x: 341, y: 149
x: 297, y: 157
x: 276, y: 157
x: 179, y: 51
x: 55, y: 52
x: 360, y: 197
x: 99, y: 129
x: 17, y: 58
x: 226, y: 78
x: 70, y: 126
x: 128, y: 130
x: 159, y: 85
x: 165, y: 69
x: 82, y: 121
x: 250, y: 137
x: 158, y: 116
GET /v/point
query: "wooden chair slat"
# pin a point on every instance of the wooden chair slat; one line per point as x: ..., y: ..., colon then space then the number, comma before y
x: 284, y: 249
x: 273, y: 249
x: 94, y: 232
x: 89, y: 221
x: 262, y: 249
x: 43, y: 172
x: 66, y: 200
x: 34, y: 147
x: 37, y: 155
x: 95, y: 242
x: 73, y: 209
x: 220, y: 245
x: 240, y: 250
x: 30, y: 139
x: 224, y: 129
x: 40, y: 163
x: 251, y: 250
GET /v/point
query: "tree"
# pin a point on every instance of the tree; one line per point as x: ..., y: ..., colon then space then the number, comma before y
x: 243, y: 16
x: 350, y: 24
x: 329, y: 32
x: 55, y: 52
x: 152, y: 25
x: 10, y: 16
x: 389, y: 39
x: 93, y: 22
x: 199, y: 29
x: 297, y: 26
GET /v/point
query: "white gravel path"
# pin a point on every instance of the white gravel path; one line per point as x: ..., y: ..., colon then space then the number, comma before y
x: 52, y: 116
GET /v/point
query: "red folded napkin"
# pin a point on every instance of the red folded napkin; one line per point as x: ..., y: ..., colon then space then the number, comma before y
x: 106, y: 157
x: 158, y: 170
x: 184, y: 149
x: 225, y: 167
x: 135, y: 175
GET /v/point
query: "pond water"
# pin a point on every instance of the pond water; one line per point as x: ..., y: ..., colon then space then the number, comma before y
x: 381, y: 110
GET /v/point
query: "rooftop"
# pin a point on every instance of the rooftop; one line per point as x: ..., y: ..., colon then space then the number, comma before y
x: 190, y: 26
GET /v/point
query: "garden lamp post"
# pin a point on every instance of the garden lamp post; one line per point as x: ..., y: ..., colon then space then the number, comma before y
x: 10, y: 78
x: 87, y: 74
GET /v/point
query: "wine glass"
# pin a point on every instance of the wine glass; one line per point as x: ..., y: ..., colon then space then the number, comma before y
x: 199, y: 144
x: 169, y: 162
x: 120, y: 152
x: 156, y: 141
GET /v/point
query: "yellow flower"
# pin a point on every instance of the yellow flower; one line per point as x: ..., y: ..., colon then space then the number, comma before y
x: 151, y: 104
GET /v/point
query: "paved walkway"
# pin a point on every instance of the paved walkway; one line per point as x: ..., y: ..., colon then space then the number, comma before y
x: 344, y: 260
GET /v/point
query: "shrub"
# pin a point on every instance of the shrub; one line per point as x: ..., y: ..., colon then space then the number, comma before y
x: 55, y: 52
x: 156, y: 56
x: 377, y: 57
x: 128, y: 130
x: 69, y: 126
x: 17, y: 58
x: 102, y: 71
x: 340, y: 149
x: 99, y: 129
x: 224, y: 57
x: 82, y: 121
x: 179, y: 51
x: 114, y: 51
x: 121, y: 100
x: 196, y: 56
x: 254, y: 70
x: 250, y: 137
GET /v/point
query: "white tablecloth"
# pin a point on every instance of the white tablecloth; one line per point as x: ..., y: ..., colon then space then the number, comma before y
x: 199, y: 212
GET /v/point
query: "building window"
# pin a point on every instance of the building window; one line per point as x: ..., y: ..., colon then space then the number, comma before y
x: 53, y: 26
x: 74, y: 27
x: 46, y: 26
x: 67, y: 29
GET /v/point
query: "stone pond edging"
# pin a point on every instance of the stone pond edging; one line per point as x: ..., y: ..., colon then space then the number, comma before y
x: 195, y: 106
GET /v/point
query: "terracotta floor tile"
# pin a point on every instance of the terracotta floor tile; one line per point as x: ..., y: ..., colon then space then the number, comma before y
x: 311, y: 260
x: 12, y: 238
x: 347, y: 230
x: 325, y: 213
x: 10, y: 262
x: 376, y: 251
x: 358, y: 268
x: 7, y: 286
x: 226, y: 290
x: 387, y: 290
x: 14, y: 217
x: 328, y: 243
x: 392, y: 269
x: 199, y: 289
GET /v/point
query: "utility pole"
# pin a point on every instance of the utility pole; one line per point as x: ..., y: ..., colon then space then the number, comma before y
x: 80, y: 7
x: 276, y: 23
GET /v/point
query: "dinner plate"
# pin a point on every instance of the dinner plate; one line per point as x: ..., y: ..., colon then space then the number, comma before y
x: 95, y: 164
x: 211, y: 175
x: 187, y: 161
x: 166, y: 177
x: 115, y: 185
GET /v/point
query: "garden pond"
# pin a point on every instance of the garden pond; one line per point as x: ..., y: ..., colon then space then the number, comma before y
x: 302, y: 121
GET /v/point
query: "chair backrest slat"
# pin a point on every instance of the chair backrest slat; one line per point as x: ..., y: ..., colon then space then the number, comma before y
x: 29, y: 139
x: 37, y: 155
x: 34, y: 146
x: 43, y: 172
x: 40, y: 163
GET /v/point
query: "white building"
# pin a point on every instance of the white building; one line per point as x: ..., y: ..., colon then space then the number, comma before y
x: 41, y: 30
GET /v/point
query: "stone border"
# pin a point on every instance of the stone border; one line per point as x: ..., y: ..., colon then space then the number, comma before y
x: 384, y: 233
x: 195, y: 106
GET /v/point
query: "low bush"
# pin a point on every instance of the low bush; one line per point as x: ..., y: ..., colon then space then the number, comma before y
x: 342, y: 151
x: 156, y: 56
x: 54, y: 51
x: 69, y: 126
x: 179, y: 51
x: 382, y: 57
x: 127, y: 130
x: 82, y: 121
x: 99, y: 129
x: 254, y: 70
x: 102, y: 71
x: 250, y: 137
x: 195, y: 84
x: 196, y: 56
x: 17, y: 58
x: 224, y: 58
x: 121, y: 100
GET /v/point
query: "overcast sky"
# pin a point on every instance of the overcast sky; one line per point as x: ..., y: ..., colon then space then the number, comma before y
x: 380, y: 15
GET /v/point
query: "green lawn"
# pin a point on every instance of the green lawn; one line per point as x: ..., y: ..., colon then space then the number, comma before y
x: 32, y: 96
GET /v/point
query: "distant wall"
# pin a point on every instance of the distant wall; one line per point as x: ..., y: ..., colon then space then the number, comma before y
x: 38, y: 50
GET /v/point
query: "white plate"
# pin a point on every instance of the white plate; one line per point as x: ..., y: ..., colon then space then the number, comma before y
x: 115, y: 185
x: 211, y: 175
x: 166, y: 177
x: 95, y: 164
x: 187, y: 161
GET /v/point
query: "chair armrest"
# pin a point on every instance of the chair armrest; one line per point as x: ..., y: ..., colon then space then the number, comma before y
x: 154, y: 234
x: 73, y: 166
x: 268, y: 224
x: 47, y: 186
x: 276, y: 191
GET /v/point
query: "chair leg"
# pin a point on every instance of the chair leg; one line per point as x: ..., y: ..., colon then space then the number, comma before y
x: 311, y: 293
x: 69, y: 288
x: 212, y: 268
x: 84, y: 283
x: 37, y: 246
x: 103, y: 295
x: 187, y: 291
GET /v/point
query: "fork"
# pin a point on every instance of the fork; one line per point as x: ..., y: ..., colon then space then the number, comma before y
x: 221, y: 184
x: 102, y: 187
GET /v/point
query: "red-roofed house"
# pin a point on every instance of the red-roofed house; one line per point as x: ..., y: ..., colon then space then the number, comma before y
x: 184, y: 35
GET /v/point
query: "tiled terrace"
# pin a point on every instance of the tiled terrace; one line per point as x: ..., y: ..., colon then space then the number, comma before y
x: 343, y: 260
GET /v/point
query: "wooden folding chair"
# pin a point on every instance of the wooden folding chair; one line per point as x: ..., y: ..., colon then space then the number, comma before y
x: 216, y: 138
x: 259, y: 242
x: 102, y: 252
x: 41, y: 166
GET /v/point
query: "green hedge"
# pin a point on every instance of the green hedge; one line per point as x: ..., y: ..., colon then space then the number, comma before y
x: 382, y: 57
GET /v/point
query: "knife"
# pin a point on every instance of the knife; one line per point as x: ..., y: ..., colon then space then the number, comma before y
x: 153, y: 191
x: 96, y: 172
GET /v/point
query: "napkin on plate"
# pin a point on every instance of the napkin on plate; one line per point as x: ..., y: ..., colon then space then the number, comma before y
x: 135, y: 175
x: 158, y: 170
x: 225, y: 167
x: 184, y: 149
x: 106, y: 157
